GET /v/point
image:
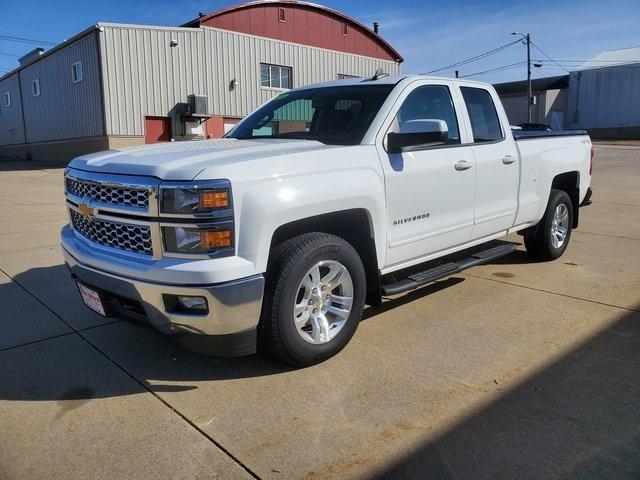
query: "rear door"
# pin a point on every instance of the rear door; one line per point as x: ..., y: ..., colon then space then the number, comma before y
x: 429, y: 190
x: 496, y: 161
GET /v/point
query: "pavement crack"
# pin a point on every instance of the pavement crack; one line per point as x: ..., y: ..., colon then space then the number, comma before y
x: 40, y: 340
x: 621, y: 204
x: 608, y: 235
x: 550, y: 292
x: 144, y: 385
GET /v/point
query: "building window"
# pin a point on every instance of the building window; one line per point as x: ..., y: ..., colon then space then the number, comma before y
x: 343, y: 76
x: 7, y: 99
x: 344, y: 29
x: 275, y: 76
x: 281, y: 14
x: 35, y: 87
x: 76, y: 72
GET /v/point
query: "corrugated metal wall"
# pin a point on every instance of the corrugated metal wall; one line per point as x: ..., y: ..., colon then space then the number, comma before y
x: 515, y: 105
x: 64, y: 109
x: 232, y: 55
x: 144, y: 75
x: 605, y: 97
x: 11, y: 123
x: 549, y: 107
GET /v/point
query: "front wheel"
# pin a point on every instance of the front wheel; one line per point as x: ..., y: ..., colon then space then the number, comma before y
x: 550, y: 238
x: 314, y: 298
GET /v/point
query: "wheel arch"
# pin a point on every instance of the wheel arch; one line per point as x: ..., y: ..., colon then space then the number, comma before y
x: 354, y: 226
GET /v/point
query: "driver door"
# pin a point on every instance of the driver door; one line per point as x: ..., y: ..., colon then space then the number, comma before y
x: 430, y: 189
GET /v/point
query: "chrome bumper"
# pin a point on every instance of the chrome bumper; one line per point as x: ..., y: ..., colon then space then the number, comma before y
x: 234, y: 307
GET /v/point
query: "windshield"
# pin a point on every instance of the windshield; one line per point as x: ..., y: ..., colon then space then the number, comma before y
x: 331, y: 115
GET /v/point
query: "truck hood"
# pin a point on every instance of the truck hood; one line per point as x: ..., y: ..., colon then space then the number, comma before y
x: 184, y: 160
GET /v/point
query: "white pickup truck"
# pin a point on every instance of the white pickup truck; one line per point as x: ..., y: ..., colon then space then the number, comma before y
x: 325, y: 198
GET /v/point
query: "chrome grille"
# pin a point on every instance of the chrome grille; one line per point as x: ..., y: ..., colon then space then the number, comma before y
x: 114, y: 194
x: 125, y: 236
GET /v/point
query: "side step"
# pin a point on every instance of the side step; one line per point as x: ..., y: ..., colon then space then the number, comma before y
x: 441, y: 271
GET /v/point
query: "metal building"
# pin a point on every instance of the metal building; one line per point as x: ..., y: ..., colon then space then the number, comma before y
x: 116, y: 85
x: 601, y: 96
x: 604, y: 95
x: 549, y: 100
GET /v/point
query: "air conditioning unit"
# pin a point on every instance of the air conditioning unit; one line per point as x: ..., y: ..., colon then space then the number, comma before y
x: 197, y: 105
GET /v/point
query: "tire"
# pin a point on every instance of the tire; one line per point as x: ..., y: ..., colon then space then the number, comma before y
x: 290, y: 283
x: 540, y: 242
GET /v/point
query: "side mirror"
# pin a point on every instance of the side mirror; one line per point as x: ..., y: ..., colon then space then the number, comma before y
x: 419, y: 133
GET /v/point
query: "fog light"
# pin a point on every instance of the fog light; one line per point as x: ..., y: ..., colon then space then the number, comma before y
x: 185, y: 304
x: 193, y: 304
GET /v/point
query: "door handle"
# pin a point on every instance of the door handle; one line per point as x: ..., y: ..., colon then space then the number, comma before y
x: 463, y: 165
x: 507, y: 159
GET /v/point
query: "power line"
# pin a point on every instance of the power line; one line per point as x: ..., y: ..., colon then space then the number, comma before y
x: 25, y: 40
x: 9, y: 54
x: 477, y: 57
x: 595, y: 61
x: 540, y: 50
x: 497, y: 69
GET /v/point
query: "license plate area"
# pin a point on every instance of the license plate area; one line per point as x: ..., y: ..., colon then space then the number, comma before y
x: 92, y: 299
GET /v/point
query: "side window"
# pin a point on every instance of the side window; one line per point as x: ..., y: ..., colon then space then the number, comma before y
x: 76, y: 72
x: 483, y: 115
x: 430, y: 102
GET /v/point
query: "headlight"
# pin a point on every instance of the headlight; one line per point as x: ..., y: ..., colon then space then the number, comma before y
x: 194, y: 200
x: 197, y: 240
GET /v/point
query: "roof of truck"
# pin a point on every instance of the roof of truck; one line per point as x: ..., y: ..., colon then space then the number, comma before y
x: 388, y: 80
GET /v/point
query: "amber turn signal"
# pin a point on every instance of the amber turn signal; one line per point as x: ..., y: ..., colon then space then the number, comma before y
x: 216, y: 239
x: 211, y: 199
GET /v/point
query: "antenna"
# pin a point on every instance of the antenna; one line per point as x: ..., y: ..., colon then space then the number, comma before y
x: 379, y: 74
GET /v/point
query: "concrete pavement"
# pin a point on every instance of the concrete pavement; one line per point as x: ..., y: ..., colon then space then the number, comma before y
x: 514, y: 369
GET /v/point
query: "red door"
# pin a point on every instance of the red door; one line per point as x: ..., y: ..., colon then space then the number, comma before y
x: 157, y: 129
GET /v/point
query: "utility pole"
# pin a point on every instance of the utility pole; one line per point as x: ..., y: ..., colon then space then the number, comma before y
x: 529, y: 92
x: 526, y: 37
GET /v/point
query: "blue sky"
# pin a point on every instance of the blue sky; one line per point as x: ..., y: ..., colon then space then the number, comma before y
x: 429, y: 34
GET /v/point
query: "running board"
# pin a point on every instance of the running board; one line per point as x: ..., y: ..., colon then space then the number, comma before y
x: 427, y: 276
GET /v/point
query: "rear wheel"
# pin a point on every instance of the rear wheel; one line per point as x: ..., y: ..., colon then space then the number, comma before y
x: 314, y: 298
x: 550, y: 238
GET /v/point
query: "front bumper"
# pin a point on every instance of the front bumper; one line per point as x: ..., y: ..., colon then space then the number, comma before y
x: 228, y: 329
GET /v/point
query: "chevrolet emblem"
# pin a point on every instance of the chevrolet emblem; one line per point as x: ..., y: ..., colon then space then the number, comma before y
x: 86, y: 210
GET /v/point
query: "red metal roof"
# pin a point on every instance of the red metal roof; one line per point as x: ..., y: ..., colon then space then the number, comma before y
x: 306, y: 23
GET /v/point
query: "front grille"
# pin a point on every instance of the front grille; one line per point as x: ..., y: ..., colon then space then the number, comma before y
x: 116, y: 195
x: 125, y: 236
